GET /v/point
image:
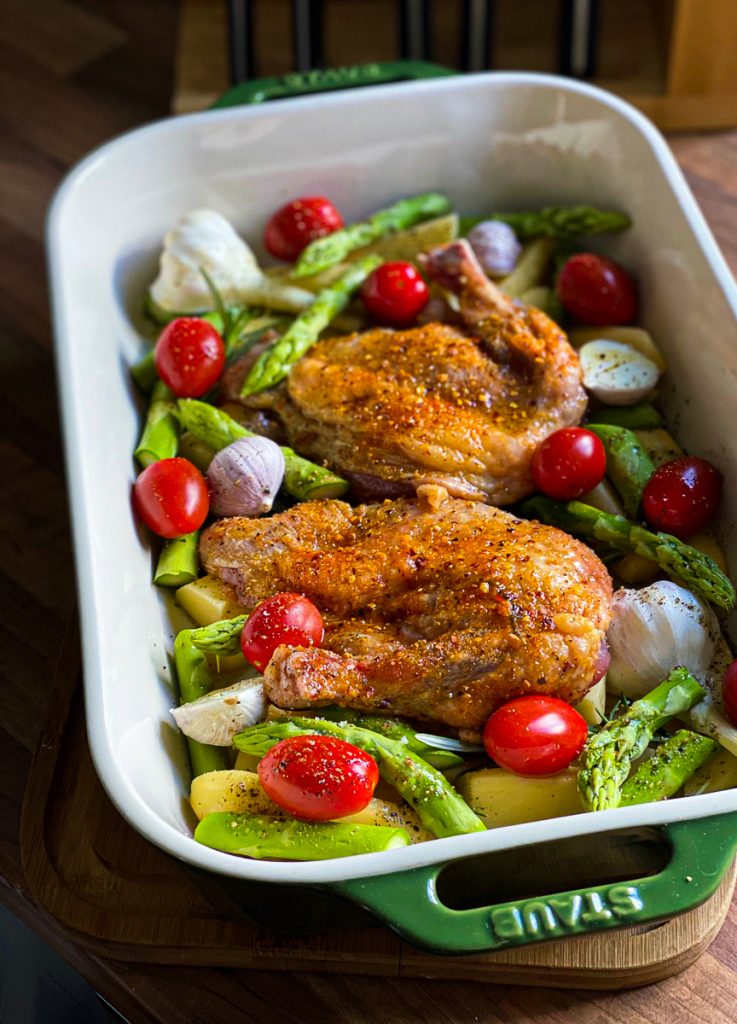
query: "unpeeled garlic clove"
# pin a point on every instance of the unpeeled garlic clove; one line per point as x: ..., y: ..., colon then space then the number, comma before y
x: 244, y: 477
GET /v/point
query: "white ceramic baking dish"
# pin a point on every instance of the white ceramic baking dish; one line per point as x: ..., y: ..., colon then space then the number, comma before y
x: 493, y: 141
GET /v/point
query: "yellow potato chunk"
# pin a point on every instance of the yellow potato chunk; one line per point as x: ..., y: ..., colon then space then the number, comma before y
x: 710, y: 546
x: 660, y: 445
x: 501, y: 798
x: 206, y: 600
x: 235, y: 791
x: 719, y: 772
x: 383, y: 812
x: 592, y: 705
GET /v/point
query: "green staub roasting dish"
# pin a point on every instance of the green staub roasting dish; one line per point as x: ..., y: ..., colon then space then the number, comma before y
x: 494, y: 141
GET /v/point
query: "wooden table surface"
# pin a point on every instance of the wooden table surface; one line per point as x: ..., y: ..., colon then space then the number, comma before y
x: 73, y: 73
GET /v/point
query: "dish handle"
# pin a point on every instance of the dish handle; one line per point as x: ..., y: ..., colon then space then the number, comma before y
x: 701, y: 850
x: 328, y: 80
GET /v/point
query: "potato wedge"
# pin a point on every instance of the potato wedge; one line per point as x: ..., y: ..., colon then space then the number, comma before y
x: 384, y: 812
x: 719, y: 772
x: 206, y: 600
x: 660, y: 445
x: 234, y: 790
x: 592, y: 705
x: 532, y: 268
x: 501, y: 798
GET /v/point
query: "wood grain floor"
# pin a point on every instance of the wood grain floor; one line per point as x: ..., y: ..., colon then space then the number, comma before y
x: 73, y: 73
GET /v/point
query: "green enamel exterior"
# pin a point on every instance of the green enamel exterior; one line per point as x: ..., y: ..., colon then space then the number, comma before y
x: 407, y: 901
x: 328, y: 80
x: 701, y: 852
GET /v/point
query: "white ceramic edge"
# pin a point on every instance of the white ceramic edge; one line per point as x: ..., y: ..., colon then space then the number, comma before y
x: 440, y: 851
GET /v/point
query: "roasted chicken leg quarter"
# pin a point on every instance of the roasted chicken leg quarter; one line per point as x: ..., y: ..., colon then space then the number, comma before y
x: 435, y: 608
x: 461, y: 406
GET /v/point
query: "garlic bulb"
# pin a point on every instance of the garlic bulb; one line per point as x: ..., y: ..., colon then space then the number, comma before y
x: 244, y: 477
x: 496, y: 246
x: 205, y: 240
x: 218, y: 716
x: 655, y: 629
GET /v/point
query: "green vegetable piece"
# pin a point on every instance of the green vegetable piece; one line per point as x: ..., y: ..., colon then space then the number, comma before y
x: 567, y: 222
x: 193, y: 675
x: 273, y: 365
x: 642, y: 416
x: 160, y: 437
x: 609, y: 753
x: 223, y: 637
x: 441, y: 810
x: 144, y: 372
x: 331, y: 249
x: 672, y: 764
x: 628, y: 464
x: 394, y: 729
x: 699, y: 573
x: 289, y: 839
x: 303, y: 479
x: 178, y: 563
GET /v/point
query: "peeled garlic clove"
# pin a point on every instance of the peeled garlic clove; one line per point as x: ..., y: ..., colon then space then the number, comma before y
x: 218, y: 716
x: 617, y: 373
x: 655, y: 629
x: 245, y: 477
x: 496, y: 246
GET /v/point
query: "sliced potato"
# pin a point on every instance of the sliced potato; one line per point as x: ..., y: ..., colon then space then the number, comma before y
x: 592, y: 705
x: 384, y: 812
x: 617, y: 373
x: 605, y: 498
x: 636, y: 570
x: 234, y: 790
x: 637, y: 337
x: 719, y: 772
x: 206, y: 600
x: 501, y: 798
x: 542, y: 297
x: 660, y: 445
x: 533, y: 268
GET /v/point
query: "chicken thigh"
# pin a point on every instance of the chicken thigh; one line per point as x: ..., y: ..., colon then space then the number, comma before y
x: 461, y: 406
x: 435, y: 608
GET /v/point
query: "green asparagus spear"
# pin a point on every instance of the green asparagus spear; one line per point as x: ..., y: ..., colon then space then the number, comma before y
x: 628, y: 464
x: 289, y: 839
x: 396, y: 730
x: 642, y: 416
x: 273, y: 365
x: 193, y: 675
x: 441, y: 810
x: 302, y: 479
x: 672, y: 764
x: 178, y: 563
x: 144, y: 372
x: 609, y: 753
x: 557, y: 222
x: 223, y: 637
x: 160, y: 437
x: 695, y: 570
x: 331, y: 249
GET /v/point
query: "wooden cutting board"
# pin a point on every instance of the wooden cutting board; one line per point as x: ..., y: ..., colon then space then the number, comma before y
x: 124, y: 899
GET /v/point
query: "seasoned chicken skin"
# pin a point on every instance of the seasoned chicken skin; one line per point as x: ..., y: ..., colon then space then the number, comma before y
x: 460, y: 406
x: 435, y: 608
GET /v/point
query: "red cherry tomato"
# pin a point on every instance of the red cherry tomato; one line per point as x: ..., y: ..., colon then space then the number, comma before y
x: 682, y: 495
x: 395, y: 293
x: 568, y: 463
x: 171, y: 497
x: 295, y: 225
x: 289, y: 619
x: 535, y: 735
x: 597, y: 290
x: 729, y: 693
x: 318, y: 777
x: 189, y: 356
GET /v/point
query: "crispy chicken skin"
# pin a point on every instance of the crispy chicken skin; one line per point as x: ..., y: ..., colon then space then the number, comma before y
x: 435, y: 608
x: 460, y: 406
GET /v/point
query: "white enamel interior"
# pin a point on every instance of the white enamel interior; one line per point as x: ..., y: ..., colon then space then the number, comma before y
x: 499, y: 141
